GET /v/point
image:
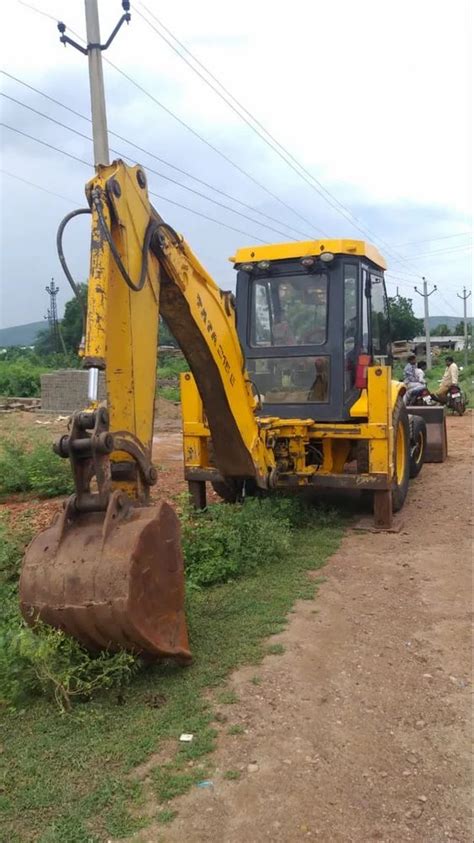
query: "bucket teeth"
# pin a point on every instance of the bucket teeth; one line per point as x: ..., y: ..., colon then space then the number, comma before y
x: 121, y: 591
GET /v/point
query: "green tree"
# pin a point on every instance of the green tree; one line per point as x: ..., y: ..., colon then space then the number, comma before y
x: 404, y: 324
x: 441, y: 331
x: 44, y: 343
x: 459, y: 329
x: 72, y: 325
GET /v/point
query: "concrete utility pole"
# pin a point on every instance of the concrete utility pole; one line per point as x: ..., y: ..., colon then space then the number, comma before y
x: 96, y: 82
x: 426, y: 296
x: 464, y: 298
x: 93, y: 51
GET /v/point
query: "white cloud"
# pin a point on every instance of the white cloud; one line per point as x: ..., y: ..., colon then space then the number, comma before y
x: 374, y: 98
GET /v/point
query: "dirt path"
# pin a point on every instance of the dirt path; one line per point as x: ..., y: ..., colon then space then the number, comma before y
x: 360, y: 730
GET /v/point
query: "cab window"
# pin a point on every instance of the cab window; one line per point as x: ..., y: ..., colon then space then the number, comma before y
x: 350, y: 323
x: 380, y: 326
x: 289, y: 311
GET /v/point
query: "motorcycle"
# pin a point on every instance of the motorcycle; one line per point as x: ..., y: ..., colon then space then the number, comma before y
x: 420, y: 398
x: 456, y: 400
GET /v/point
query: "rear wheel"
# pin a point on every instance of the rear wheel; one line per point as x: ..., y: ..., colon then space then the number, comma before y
x: 417, y: 445
x: 401, y: 455
x: 460, y: 406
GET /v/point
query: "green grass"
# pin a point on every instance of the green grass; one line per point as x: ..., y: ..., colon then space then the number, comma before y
x: 66, y: 777
x: 169, y: 370
x: 171, y: 393
x: 32, y: 466
x: 275, y: 649
x: 232, y: 775
x: 236, y: 729
x: 227, y: 698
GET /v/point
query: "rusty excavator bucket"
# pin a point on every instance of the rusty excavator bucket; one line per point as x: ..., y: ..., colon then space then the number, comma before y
x: 108, y: 571
x: 111, y: 582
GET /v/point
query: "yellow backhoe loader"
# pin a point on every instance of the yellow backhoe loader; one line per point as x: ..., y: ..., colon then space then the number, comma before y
x: 289, y: 388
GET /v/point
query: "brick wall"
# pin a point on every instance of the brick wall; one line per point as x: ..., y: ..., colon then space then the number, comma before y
x: 66, y: 390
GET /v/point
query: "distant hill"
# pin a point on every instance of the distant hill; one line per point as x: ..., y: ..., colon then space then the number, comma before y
x: 21, y: 334
x: 450, y: 321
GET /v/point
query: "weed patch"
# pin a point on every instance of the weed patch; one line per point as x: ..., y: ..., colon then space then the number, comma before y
x: 33, y: 467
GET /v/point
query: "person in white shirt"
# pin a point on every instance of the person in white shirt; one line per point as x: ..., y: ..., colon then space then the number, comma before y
x: 450, y: 378
x: 420, y: 372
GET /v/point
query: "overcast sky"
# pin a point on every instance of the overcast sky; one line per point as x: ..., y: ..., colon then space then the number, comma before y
x: 373, y: 98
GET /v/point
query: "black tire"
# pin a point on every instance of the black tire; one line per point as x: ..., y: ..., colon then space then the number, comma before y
x: 401, y: 436
x: 417, y: 445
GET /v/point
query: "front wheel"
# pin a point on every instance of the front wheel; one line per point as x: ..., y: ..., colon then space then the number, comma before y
x: 401, y: 455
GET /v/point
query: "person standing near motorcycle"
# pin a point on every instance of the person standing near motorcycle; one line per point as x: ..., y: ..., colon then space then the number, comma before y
x: 450, y: 378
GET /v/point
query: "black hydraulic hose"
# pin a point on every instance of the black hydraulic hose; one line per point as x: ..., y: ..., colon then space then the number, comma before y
x: 59, y: 245
x: 152, y: 227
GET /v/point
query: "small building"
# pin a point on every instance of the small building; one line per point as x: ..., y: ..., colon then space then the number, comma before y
x: 450, y: 343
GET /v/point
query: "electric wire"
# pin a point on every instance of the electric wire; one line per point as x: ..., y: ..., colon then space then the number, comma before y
x: 454, y: 249
x: 157, y: 157
x: 150, y: 169
x: 433, y: 239
x: 214, y: 148
x: 156, y: 195
x: 342, y: 208
x: 317, y: 186
x: 38, y: 186
x: 208, y: 143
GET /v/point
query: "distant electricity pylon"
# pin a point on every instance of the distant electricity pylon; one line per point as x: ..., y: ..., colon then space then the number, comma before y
x: 52, y: 317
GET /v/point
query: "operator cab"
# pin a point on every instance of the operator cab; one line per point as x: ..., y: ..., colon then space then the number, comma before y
x: 311, y: 317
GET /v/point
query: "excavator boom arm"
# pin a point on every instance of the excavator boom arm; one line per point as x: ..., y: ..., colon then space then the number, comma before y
x: 122, y: 324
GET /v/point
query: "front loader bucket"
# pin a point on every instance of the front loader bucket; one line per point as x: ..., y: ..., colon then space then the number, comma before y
x: 111, y: 581
x: 436, y: 436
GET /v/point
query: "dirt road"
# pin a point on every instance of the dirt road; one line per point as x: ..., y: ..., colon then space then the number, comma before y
x: 360, y: 730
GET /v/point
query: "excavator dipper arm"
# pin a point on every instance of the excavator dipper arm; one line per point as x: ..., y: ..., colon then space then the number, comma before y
x: 110, y: 570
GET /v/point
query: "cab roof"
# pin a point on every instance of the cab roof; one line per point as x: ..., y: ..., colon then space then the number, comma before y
x: 308, y: 248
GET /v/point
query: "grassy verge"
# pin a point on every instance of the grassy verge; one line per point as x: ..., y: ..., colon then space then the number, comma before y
x: 66, y: 777
x: 32, y: 466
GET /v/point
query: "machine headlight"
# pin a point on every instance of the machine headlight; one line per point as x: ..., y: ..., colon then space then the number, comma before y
x: 327, y: 257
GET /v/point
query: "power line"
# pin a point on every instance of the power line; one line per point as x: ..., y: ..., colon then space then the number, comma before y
x: 38, y: 186
x: 45, y: 143
x: 211, y: 146
x: 433, y: 239
x: 203, y: 140
x: 153, y: 155
x: 342, y: 209
x: 150, y: 169
x: 157, y: 195
x: 315, y: 184
x: 442, y: 251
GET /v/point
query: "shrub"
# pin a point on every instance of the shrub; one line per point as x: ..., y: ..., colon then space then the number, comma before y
x: 37, y: 469
x: 228, y: 541
x: 45, y: 661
